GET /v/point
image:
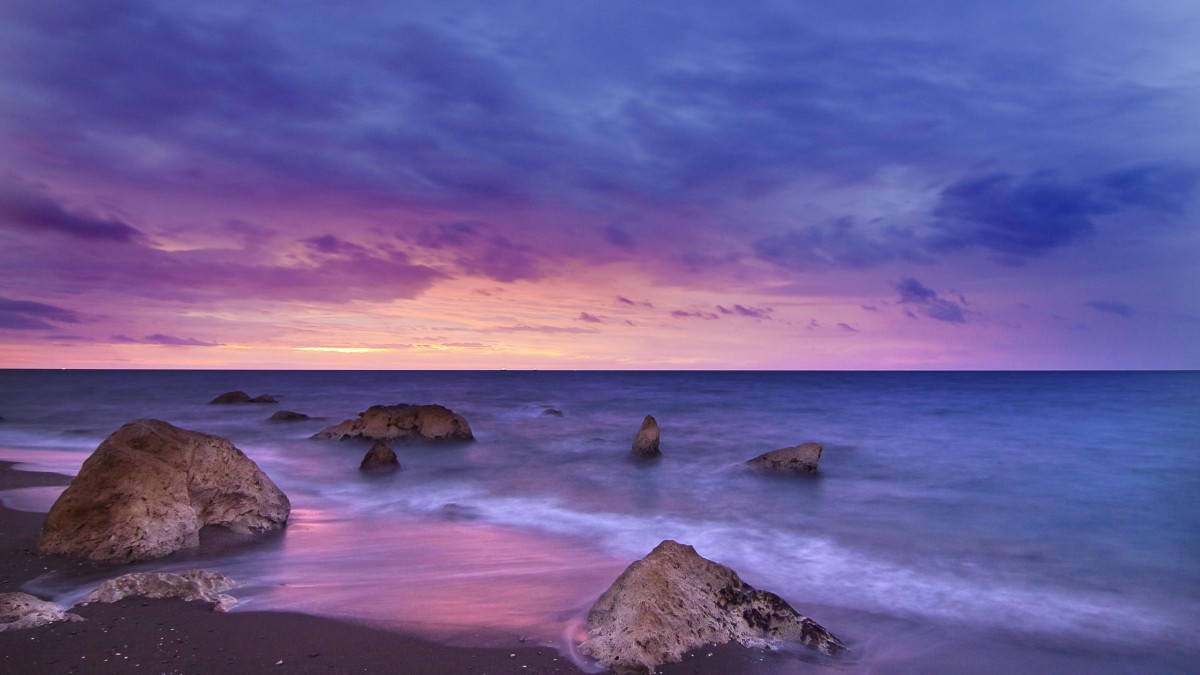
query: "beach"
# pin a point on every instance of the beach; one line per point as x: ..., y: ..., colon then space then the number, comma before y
x: 995, y: 522
x: 141, y: 634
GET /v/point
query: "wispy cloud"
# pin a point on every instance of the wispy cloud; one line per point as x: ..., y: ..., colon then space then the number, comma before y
x: 913, y: 292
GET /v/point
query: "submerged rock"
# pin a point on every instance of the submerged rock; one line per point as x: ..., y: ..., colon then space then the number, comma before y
x: 288, y: 416
x: 673, y: 601
x: 380, y: 458
x: 645, y: 444
x: 148, y: 489
x: 192, y: 585
x: 552, y: 412
x: 22, y: 610
x: 402, y: 421
x: 801, y: 459
x: 241, y: 397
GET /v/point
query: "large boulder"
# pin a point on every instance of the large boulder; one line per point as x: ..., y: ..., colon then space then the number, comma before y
x: 22, y: 610
x: 801, y: 459
x: 191, y: 585
x: 403, y: 421
x: 379, y: 458
x: 148, y: 489
x: 645, y: 444
x: 673, y: 601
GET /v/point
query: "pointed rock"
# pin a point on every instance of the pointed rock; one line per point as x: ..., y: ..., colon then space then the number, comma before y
x: 673, y: 601
x: 645, y: 444
x: 380, y: 458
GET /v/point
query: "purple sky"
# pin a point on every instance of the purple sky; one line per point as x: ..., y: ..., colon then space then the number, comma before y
x: 600, y: 185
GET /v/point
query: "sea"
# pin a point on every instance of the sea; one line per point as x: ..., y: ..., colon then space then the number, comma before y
x: 966, y: 522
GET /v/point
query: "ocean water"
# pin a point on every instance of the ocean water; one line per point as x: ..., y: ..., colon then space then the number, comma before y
x: 962, y: 522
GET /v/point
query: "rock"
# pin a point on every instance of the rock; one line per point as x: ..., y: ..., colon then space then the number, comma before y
x: 645, y: 444
x: 673, y: 601
x: 148, y: 489
x: 22, y: 610
x: 192, y: 585
x: 241, y: 397
x: 402, y: 421
x: 801, y: 459
x: 380, y: 458
x: 288, y: 416
x: 553, y: 412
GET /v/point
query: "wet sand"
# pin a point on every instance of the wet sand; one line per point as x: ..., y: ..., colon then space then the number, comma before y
x: 172, y: 636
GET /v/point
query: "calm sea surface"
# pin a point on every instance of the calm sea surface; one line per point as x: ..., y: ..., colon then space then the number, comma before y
x: 962, y: 522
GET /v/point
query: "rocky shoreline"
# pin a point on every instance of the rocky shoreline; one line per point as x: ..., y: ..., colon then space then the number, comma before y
x: 174, y: 636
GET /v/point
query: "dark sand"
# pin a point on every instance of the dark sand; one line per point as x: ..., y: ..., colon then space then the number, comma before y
x: 173, y: 636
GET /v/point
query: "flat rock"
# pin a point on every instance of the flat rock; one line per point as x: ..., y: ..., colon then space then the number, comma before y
x: 403, y: 421
x: 287, y: 416
x: 645, y: 444
x: 192, y: 585
x: 380, y: 458
x: 800, y: 459
x: 22, y: 610
x: 674, y: 600
x: 150, y: 487
x: 230, y: 397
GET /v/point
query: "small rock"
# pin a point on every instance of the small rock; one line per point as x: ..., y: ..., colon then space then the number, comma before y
x: 231, y: 397
x: 553, y: 412
x: 380, y: 458
x: 22, y: 610
x: 192, y: 585
x: 800, y: 459
x: 263, y: 398
x: 288, y: 416
x: 645, y: 444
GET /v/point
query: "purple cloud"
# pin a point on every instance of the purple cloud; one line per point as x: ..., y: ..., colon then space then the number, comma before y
x: 161, y: 339
x: 914, y: 292
x: 590, y: 318
x: 683, y: 314
x: 1112, y: 307
x: 37, y: 214
x: 28, y: 315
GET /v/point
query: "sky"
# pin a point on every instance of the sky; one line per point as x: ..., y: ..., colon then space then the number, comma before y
x: 596, y: 185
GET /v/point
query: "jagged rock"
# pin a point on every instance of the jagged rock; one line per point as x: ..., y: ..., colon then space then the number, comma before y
x: 402, y: 421
x: 801, y: 459
x: 22, y: 610
x: 148, y: 489
x: 645, y: 444
x: 288, y: 416
x: 673, y: 601
x: 379, y: 458
x: 192, y: 585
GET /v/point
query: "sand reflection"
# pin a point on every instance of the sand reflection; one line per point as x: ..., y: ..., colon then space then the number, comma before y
x: 450, y: 580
